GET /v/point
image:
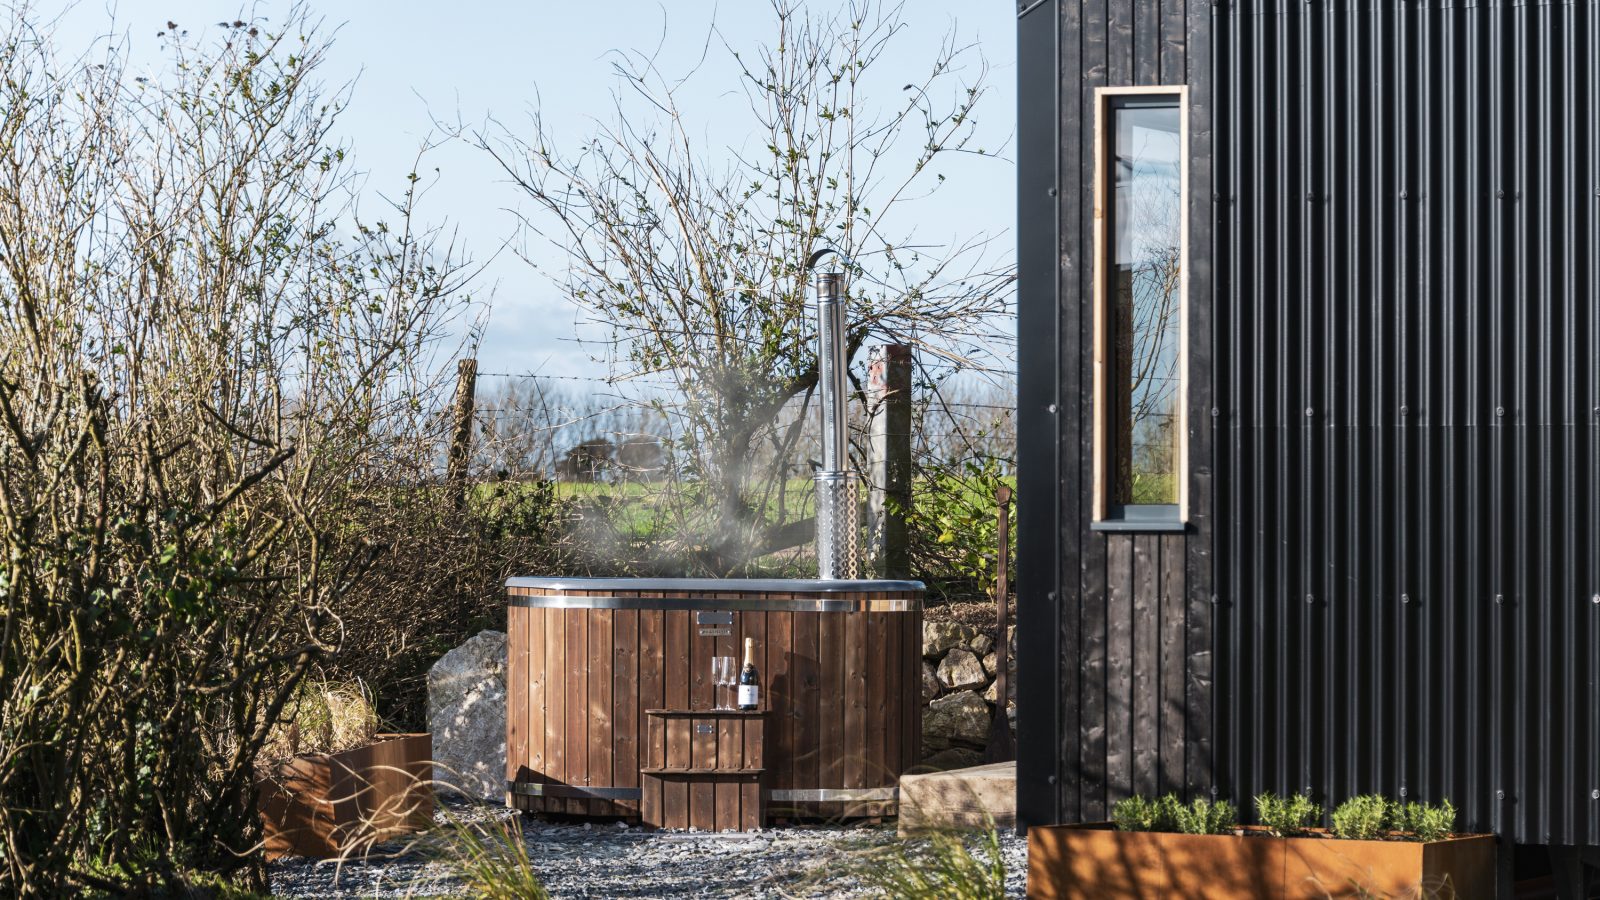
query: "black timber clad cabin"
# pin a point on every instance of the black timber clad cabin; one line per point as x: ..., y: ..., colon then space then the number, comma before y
x: 1352, y: 540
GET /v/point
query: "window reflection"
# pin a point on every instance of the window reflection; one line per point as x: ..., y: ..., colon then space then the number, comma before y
x: 1144, y: 302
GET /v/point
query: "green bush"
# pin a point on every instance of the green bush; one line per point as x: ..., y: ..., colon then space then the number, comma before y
x: 1205, y: 817
x: 1138, y: 813
x: 953, y: 528
x: 1362, y: 818
x: 1423, y: 821
x: 1286, y: 816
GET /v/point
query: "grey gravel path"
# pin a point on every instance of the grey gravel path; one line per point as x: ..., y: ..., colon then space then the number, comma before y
x: 609, y: 860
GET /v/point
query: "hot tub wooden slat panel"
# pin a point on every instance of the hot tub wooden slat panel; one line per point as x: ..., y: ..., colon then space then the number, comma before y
x: 908, y: 676
x: 675, y: 794
x: 535, y: 717
x: 877, y: 701
x: 702, y: 755
x: 777, y: 674
x: 830, y: 741
x: 516, y: 696
x: 556, y: 699
x: 532, y: 767
x: 676, y: 660
x: 889, y: 751
x: 656, y: 755
x: 855, y: 700
x: 601, y: 732
x: 577, y: 662
x: 726, y: 645
x: 911, y: 723
x: 625, y: 706
x: 701, y: 650
x: 807, y: 706
x: 652, y: 693
x: 727, y: 804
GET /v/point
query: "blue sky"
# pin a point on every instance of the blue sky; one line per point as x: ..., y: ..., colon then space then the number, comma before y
x: 412, y: 62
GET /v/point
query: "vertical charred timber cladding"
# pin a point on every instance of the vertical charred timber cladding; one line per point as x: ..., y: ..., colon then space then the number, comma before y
x: 1393, y: 552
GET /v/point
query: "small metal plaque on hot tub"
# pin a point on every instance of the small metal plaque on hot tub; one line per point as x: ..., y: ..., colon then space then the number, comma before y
x: 713, y: 618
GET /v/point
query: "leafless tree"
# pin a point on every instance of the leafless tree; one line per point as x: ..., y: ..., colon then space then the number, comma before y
x: 696, y: 265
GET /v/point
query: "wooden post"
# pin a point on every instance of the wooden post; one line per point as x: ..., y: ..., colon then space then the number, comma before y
x: 461, y: 433
x: 1001, y: 746
x: 889, y: 399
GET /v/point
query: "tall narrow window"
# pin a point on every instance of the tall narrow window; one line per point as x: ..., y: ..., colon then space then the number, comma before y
x: 1139, y: 298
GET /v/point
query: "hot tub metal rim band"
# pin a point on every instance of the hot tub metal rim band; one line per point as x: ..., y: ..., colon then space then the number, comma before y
x: 747, y: 604
x: 572, y: 792
x: 814, y: 795
x: 739, y: 585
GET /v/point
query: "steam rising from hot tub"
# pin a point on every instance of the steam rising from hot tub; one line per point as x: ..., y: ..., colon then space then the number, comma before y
x: 838, y: 489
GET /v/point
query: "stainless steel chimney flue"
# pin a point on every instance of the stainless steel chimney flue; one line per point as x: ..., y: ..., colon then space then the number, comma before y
x: 838, y: 490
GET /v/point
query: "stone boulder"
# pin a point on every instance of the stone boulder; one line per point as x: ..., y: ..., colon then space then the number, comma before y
x: 991, y: 664
x: 467, y: 716
x: 981, y: 645
x: 930, y: 683
x: 992, y: 693
x: 958, y: 719
x: 960, y: 669
x: 939, y: 637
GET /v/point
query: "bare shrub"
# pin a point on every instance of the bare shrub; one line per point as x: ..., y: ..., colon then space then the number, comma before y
x: 205, y: 359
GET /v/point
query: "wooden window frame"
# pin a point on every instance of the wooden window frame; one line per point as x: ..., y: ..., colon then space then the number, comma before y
x: 1100, y: 274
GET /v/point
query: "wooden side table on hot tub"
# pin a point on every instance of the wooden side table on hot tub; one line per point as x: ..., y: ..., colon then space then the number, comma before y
x: 704, y: 769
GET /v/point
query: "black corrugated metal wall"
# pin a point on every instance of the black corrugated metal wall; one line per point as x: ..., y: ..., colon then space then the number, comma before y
x: 1395, y: 414
x: 1408, y: 383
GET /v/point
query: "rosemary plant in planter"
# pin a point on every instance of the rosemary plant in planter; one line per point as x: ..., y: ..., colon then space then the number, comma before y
x: 1160, y: 847
x: 331, y: 784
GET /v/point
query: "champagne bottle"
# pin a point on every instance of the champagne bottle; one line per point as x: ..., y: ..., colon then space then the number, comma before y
x: 749, y: 678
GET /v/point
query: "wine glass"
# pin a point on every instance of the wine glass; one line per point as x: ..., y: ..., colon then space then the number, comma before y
x: 719, y: 677
x: 730, y: 677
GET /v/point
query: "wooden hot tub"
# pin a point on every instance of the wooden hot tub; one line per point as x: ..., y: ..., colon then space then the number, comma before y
x: 588, y: 657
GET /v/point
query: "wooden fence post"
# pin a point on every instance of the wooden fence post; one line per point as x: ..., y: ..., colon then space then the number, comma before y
x: 461, y: 434
x: 889, y: 497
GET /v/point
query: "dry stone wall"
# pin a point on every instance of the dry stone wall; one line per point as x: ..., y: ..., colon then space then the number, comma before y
x: 959, y: 665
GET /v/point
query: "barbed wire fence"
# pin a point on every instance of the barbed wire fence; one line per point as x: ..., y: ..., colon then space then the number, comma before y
x: 583, y: 428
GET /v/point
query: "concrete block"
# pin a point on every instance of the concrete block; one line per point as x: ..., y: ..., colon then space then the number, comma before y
x: 959, y: 798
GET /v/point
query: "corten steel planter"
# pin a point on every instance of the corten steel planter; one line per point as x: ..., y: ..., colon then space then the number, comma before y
x: 322, y: 805
x: 1097, y: 861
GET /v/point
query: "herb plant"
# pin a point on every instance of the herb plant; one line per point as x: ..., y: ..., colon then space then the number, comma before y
x: 1205, y: 817
x: 1168, y: 813
x: 1423, y: 821
x: 1139, y: 813
x: 1362, y: 818
x: 1287, y: 816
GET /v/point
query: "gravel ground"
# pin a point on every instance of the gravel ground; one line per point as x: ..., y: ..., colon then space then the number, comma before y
x: 610, y: 860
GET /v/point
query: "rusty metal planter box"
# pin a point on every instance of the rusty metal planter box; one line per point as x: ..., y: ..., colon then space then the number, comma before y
x: 1097, y: 861
x: 322, y: 805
